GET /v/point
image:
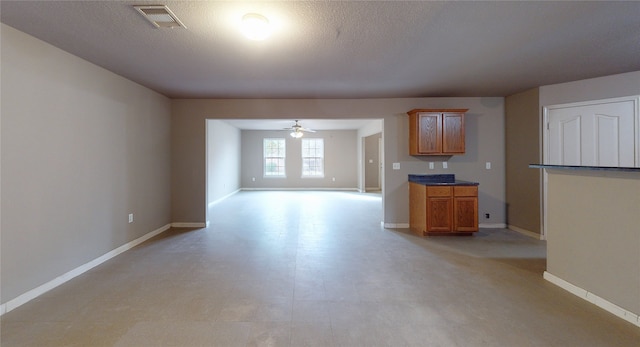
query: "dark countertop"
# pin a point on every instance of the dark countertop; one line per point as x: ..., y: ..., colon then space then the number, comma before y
x: 584, y: 168
x: 439, y: 180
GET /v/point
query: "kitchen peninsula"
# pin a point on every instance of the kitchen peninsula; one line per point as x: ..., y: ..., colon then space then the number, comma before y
x: 597, y: 209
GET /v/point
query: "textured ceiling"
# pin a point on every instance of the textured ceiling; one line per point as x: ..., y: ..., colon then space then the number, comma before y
x: 356, y: 49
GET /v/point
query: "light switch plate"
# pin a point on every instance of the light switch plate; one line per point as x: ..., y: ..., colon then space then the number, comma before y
x: 488, y: 165
x: 396, y: 166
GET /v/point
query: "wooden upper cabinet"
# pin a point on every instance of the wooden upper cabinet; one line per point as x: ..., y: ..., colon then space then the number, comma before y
x: 436, y: 131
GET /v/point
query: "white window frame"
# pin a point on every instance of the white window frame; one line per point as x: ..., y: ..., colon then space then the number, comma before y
x: 317, y: 156
x: 280, y: 157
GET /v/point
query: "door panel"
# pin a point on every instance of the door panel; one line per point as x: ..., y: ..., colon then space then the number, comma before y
x: 608, y: 140
x: 565, y: 139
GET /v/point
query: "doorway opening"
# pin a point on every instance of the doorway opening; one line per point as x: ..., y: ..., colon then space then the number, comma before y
x: 372, y: 156
x: 235, y: 156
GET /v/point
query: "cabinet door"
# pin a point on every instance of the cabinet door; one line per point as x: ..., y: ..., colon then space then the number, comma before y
x: 453, y: 133
x: 465, y: 213
x: 439, y: 211
x: 429, y: 133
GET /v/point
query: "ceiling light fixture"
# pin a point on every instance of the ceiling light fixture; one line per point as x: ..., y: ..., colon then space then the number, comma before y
x: 297, y: 131
x: 255, y: 26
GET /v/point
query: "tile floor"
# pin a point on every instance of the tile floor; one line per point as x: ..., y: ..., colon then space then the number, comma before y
x: 315, y: 269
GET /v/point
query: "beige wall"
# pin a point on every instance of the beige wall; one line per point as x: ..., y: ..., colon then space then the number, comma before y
x: 593, y: 240
x: 223, y: 160
x: 613, y: 86
x: 484, y: 137
x: 340, y: 161
x: 523, y: 147
x: 81, y: 149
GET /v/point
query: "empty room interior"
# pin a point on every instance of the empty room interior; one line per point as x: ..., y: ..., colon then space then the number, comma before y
x: 306, y: 173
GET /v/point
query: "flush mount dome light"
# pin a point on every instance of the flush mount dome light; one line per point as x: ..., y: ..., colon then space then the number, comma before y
x: 255, y: 26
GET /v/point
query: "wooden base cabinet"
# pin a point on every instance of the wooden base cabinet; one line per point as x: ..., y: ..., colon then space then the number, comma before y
x: 443, y: 209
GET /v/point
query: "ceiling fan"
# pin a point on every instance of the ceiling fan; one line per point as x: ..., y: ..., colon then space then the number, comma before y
x: 297, y: 130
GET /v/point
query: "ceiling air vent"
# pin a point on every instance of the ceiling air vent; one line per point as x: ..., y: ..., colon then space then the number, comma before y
x: 160, y: 16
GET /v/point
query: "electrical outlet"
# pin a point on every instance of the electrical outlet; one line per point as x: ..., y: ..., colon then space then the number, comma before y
x: 487, y: 216
x: 487, y: 165
x: 396, y: 166
x: 130, y: 217
x: 431, y: 165
x: 444, y: 165
x: 253, y: 179
x: 333, y: 179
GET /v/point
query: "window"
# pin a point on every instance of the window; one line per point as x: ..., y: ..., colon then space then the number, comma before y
x: 312, y: 158
x: 274, y: 156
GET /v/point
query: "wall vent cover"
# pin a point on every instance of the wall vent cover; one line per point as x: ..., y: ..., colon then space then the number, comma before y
x: 160, y: 16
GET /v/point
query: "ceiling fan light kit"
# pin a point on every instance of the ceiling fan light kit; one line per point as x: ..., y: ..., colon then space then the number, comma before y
x: 297, y: 131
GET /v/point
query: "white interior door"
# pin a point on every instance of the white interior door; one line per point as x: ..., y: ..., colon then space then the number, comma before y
x: 599, y: 133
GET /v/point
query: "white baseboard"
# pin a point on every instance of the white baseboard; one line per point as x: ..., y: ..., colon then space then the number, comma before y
x: 303, y: 189
x: 222, y: 198
x: 525, y: 232
x: 492, y: 225
x: 34, y: 293
x: 188, y: 225
x: 594, y: 299
x: 395, y: 225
